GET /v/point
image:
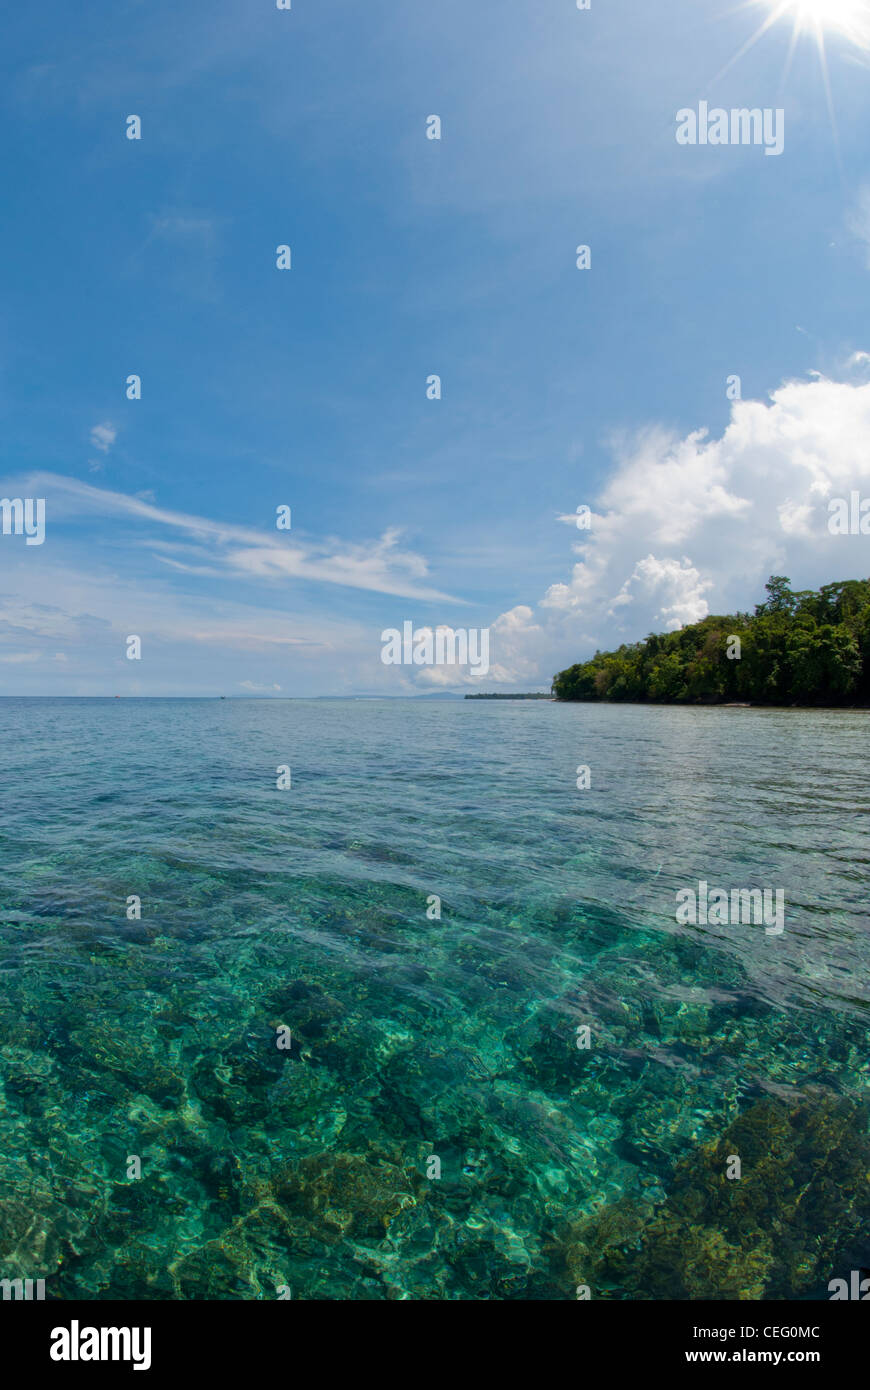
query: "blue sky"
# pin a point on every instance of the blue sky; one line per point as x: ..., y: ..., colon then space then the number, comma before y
x: 411, y: 257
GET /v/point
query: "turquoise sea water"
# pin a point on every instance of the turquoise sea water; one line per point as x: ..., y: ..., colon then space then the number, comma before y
x: 415, y: 1038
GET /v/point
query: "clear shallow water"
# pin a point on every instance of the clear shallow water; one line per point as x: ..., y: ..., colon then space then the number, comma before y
x: 414, y: 1037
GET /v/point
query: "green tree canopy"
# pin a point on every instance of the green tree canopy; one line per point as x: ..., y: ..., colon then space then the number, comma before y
x: 809, y: 648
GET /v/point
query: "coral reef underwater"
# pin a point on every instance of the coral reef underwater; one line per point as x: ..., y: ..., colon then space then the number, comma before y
x: 432, y: 1129
x: 307, y: 1167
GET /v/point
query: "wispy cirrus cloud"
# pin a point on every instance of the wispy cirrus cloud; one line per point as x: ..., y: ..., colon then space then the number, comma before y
x: 221, y: 549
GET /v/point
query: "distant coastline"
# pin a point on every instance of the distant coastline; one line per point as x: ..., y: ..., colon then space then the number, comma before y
x: 510, y: 697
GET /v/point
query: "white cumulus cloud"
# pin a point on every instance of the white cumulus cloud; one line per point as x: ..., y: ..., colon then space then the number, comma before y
x: 692, y: 525
x: 103, y: 436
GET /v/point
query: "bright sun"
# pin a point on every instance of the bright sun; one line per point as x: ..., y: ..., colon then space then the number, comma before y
x: 850, y: 18
x: 821, y: 19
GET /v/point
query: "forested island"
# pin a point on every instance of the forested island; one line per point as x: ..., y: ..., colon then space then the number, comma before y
x: 804, y: 648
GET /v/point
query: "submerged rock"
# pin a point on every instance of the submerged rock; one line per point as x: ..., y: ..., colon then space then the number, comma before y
x: 773, y: 1233
x: 346, y: 1195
